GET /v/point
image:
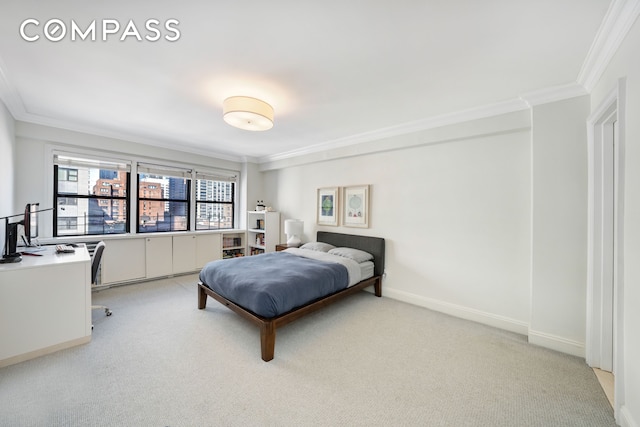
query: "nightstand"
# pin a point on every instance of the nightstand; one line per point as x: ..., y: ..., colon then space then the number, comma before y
x: 283, y: 246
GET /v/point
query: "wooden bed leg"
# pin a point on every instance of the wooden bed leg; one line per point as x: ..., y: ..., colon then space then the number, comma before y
x: 202, y: 298
x: 377, y: 287
x: 267, y: 340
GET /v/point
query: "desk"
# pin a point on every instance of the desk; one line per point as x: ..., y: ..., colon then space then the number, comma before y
x: 45, y: 304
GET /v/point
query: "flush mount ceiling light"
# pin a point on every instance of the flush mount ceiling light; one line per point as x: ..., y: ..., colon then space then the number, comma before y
x: 247, y: 113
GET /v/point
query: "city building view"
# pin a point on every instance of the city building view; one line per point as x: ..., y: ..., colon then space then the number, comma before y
x: 216, y: 215
x: 94, y: 201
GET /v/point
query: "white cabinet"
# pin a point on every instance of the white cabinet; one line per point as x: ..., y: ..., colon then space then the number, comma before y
x: 159, y: 259
x: 45, y: 304
x: 147, y: 257
x: 123, y: 260
x: 207, y: 249
x: 184, y: 253
x: 263, y: 231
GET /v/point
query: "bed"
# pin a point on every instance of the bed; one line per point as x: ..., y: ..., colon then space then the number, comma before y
x: 239, y: 297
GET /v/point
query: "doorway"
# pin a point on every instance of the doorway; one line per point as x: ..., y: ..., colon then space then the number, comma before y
x: 605, y: 284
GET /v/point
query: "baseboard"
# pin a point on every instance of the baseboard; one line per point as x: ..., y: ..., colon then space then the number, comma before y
x: 103, y: 286
x: 542, y: 339
x: 625, y: 419
x: 557, y: 343
x: 43, y: 351
x: 497, y: 321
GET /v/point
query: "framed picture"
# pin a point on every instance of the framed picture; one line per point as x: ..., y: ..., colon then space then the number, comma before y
x: 356, y: 206
x: 328, y: 206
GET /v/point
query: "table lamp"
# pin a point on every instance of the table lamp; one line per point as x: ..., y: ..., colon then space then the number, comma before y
x: 293, y: 229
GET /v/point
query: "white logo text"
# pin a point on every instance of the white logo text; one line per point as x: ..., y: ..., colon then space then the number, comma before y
x: 55, y: 30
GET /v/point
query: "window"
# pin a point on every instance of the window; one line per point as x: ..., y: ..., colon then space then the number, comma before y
x: 67, y: 223
x: 163, y: 198
x: 91, y: 196
x: 67, y: 201
x: 215, y: 196
x: 65, y: 174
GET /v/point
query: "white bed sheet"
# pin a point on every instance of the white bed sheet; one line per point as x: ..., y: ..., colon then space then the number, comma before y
x: 366, y: 269
x: 353, y: 268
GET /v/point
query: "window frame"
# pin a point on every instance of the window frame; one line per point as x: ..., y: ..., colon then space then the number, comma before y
x: 65, y: 195
x: 232, y: 203
x: 79, y: 158
x: 165, y: 172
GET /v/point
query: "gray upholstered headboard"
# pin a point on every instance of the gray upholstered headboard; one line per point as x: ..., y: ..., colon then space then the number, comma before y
x: 373, y: 245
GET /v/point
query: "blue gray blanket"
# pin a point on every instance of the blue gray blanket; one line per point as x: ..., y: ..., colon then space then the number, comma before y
x: 273, y: 283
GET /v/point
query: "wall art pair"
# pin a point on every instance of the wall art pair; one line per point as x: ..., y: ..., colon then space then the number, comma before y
x: 354, y: 201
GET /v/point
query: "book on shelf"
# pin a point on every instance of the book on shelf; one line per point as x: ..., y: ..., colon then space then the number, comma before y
x: 229, y: 242
x: 232, y: 253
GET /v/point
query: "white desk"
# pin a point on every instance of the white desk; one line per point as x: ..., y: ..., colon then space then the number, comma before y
x: 45, y: 304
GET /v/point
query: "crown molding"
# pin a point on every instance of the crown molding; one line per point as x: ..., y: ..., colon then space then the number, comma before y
x: 524, y: 101
x: 615, y: 26
x: 618, y: 20
x: 152, y: 142
x: 9, y: 95
x: 15, y: 105
x: 405, y: 128
x: 553, y: 94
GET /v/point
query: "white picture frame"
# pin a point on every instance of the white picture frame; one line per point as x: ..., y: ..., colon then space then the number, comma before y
x: 328, y: 206
x: 355, y: 211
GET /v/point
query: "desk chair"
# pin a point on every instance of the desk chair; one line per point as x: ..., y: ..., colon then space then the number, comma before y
x: 95, y: 264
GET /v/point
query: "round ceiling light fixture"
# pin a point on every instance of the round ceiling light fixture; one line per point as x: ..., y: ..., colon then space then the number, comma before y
x: 247, y: 113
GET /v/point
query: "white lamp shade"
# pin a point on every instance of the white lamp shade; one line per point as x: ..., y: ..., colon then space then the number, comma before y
x: 293, y: 228
x: 247, y: 113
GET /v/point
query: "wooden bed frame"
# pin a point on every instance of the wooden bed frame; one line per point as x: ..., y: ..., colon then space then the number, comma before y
x: 268, y: 326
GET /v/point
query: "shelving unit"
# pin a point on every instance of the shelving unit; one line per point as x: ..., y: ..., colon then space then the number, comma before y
x: 263, y: 231
x: 233, y: 245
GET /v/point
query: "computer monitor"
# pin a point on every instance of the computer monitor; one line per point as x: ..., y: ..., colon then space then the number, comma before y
x: 10, y: 242
x: 35, y: 207
x: 30, y: 223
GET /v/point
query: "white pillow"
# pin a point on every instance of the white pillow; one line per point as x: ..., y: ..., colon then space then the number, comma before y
x: 355, y: 254
x: 317, y: 246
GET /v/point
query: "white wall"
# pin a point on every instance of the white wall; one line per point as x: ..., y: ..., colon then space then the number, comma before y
x: 455, y: 213
x: 485, y: 220
x: 626, y: 63
x: 559, y: 258
x: 7, y: 162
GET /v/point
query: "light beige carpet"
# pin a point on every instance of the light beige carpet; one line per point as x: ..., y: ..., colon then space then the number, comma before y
x: 365, y: 361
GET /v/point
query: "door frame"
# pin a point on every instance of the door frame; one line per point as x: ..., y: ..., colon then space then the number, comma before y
x: 605, y: 319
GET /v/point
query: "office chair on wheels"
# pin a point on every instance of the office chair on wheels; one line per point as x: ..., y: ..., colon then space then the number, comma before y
x: 95, y: 265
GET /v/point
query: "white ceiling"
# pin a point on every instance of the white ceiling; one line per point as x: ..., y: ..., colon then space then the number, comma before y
x: 332, y: 70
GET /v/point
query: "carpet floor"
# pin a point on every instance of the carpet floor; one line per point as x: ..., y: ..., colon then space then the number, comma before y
x: 364, y: 361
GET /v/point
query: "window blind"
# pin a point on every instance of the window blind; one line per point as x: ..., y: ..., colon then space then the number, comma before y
x: 93, y: 162
x: 163, y: 170
x: 220, y: 175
